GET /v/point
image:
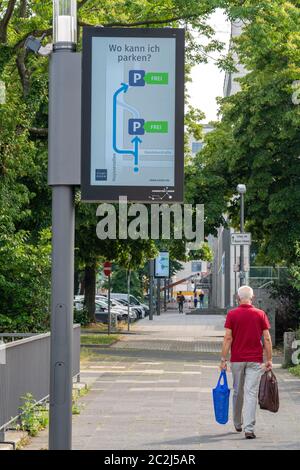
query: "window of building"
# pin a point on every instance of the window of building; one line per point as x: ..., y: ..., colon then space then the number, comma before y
x: 196, y: 266
x: 197, y: 146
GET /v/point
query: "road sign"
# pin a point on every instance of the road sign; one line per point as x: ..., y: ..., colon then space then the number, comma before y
x: 107, y: 268
x: 133, y: 114
x: 241, y: 238
x: 236, y: 268
x: 162, y: 265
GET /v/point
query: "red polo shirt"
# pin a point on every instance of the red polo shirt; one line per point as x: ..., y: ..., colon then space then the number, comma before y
x: 247, y: 324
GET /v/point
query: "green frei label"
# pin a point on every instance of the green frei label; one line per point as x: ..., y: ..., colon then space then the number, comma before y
x: 159, y: 127
x: 157, y: 78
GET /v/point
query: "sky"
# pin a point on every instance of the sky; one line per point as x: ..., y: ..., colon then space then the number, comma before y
x: 207, y: 79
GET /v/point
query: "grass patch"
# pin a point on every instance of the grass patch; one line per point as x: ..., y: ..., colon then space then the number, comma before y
x: 23, y: 443
x: 34, y: 416
x: 99, y: 339
x: 103, y: 328
x: 295, y: 370
x: 76, y: 394
x: 95, y: 327
x: 83, y: 392
x: 87, y: 355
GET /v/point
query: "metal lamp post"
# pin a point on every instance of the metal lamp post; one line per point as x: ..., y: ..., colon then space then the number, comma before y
x: 241, y: 188
x: 158, y: 296
x: 64, y: 174
x: 151, y: 276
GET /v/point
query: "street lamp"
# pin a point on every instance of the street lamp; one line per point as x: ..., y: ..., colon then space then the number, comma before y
x: 63, y: 88
x: 64, y: 24
x: 151, y: 277
x: 241, y: 189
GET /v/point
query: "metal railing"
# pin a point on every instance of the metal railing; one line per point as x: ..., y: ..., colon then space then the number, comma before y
x: 262, y: 275
x: 27, y: 370
x: 11, y: 337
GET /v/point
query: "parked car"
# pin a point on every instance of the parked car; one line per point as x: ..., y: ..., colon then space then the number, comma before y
x: 134, y: 302
x: 101, y: 306
x: 101, y: 311
x: 140, y: 311
x: 101, y: 314
x: 117, y: 306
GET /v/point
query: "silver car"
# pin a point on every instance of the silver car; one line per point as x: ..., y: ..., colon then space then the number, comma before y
x: 117, y: 306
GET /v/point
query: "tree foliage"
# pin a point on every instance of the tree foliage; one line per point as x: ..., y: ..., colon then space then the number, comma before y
x: 257, y: 141
x: 24, y: 282
x: 25, y: 207
x: 119, y: 282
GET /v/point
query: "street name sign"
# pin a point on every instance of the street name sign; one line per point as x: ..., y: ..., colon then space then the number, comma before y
x: 133, y: 114
x: 241, y: 238
x: 162, y: 265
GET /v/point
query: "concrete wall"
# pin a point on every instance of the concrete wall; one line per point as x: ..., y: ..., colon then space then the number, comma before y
x: 225, y: 281
x: 220, y: 267
x: 264, y: 302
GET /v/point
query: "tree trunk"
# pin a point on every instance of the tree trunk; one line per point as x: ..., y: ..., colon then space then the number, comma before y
x: 23, y: 72
x: 5, y: 20
x: 23, y: 9
x: 82, y: 283
x: 90, y: 291
x: 76, y: 282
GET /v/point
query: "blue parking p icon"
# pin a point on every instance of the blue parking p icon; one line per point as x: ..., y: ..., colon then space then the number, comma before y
x: 136, y: 127
x: 136, y: 77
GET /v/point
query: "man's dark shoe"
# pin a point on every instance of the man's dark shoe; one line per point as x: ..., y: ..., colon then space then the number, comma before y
x: 250, y: 435
x: 238, y: 429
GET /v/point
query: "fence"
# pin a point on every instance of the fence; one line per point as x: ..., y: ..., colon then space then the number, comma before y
x: 26, y: 369
x: 264, y: 301
x: 261, y: 276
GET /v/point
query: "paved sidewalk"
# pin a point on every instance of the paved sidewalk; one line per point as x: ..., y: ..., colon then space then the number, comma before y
x: 176, y: 332
x: 146, y: 396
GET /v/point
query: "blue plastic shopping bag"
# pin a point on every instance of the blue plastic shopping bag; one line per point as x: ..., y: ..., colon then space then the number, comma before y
x: 221, y: 399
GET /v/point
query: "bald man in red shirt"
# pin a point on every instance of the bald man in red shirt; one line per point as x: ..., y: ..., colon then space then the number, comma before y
x: 245, y: 327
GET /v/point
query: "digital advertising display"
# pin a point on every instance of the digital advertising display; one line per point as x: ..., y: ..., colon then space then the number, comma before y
x: 133, y: 114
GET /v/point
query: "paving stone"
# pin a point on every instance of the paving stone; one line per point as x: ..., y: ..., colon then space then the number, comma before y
x: 170, y: 415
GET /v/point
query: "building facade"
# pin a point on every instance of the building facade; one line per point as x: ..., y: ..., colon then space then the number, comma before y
x: 225, y: 266
x: 195, y: 145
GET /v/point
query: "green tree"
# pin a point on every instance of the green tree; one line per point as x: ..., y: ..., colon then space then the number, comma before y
x: 24, y: 282
x: 119, y: 282
x: 257, y: 141
x: 90, y: 251
x: 25, y: 205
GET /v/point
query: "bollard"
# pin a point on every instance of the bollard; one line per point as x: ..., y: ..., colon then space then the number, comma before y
x: 288, y: 339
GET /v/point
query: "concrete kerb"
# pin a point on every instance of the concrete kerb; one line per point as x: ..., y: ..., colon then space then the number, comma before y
x: 14, y: 440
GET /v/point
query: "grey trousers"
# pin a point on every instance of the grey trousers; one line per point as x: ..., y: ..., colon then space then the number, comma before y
x: 246, y: 379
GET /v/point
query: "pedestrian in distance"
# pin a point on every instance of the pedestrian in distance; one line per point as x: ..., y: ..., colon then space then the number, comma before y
x: 245, y: 327
x: 201, y: 299
x: 195, y: 299
x: 180, y: 301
